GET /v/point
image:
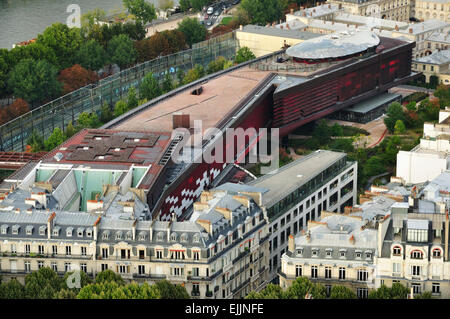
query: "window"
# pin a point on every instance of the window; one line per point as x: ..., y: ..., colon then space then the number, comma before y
x: 104, y: 267
x: 159, y: 254
x: 313, y: 271
x: 41, y: 249
x: 27, y: 249
x: 362, y: 275
x: 314, y: 253
x: 342, y: 273
x: 141, y: 254
x: 104, y: 252
x: 177, y: 271
x: 69, y: 232
x: 298, y: 271
x: 415, y: 270
x: 417, y: 235
x: 40, y: 264
x: 416, y: 254
x: 141, y: 269
x: 56, y: 231
x: 397, y: 251
x: 68, y: 250
x: 67, y: 267
x: 342, y: 254
x: 416, y: 288
x: 27, y: 266
x: 83, y: 267
x: 358, y: 255
x: 123, y: 269
x: 54, y: 249
x: 175, y: 254
x: 362, y: 293
x: 396, y: 269
x: 54, y: 266
x: 13, y: 248
x: 436, y: 253
x: 436, y: 288
x: 196, y: 255
x: 83, y: 251
x: 328, y: 272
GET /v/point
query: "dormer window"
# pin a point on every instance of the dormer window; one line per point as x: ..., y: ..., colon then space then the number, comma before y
x: 184, y: 238
x: 129, y: 236
x: 437, y: 253
x: 397, y: 251
x: 56, y: 231
x: 29, y: 230
x: 15, y: 229
x: 89, y: 232
x: 5, y: 229
x: 160, y: 236
x: 416, y: 254
x: 42, y: 230
x: 118, y: 235
x: 80, y: 232
x: 328, y: 252
x: 342, y: 253
x: 105, y: 234
x: 142, y: 236
x: 69, y: 231
x: 300, y: 252
x: 196, y: 238
x: 314, y: 252
x: 368, y: 255
x: 173, y: 237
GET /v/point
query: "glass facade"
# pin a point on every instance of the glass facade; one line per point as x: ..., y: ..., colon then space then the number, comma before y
x: 307, y: 189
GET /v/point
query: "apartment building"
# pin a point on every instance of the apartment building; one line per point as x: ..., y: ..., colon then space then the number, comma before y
x: 436, y: 64
x: 340, y: 249
x: 299, y: 191
x: 220, y: 252
x: 398, y: 10
x: 414, y: 249
x: 432, y: 9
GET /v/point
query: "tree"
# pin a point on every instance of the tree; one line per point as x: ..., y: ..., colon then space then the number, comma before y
x: 442, y: 92
x: 5, y: 67
x: 143, y: 11
x: 337, y: 130
x: 12, y: 290
x: 167, y: 84
x: 262, y: 11
x: 64, y: 42
x: 165, y: 5
x: 17, y: 108
x: 84, y: 281
x: 132, y: 99
x: 87, y: 120
x: 194, y: 74
x: 113, y: 290
x: 70, y: 130
x: 343, y: 144
x: 244, y: 54
x: 149, y: 88
x: 397, y: 291
x: 91, y: 55
x: 399, y: 127
x: 271, y: 291
x: 374, y: 166
x: 42, y: 284
x: 135, y: 30
x: 90, y: 19
x: 192, y: 29
x: 76, y: 77
x: 424, y: 295
x: 322, y: 132
x: 34, y: 80
x: 120, y: 108
x: 121, y: 51
x: 394, y: 113
x: 185, y: 5
x: 216, y: 65
x: 36, y: 142
x: 342, y: 292
x: 411, y: 106
x: 106, y: 114
x: 303, y: 286
x: 176, y: 39
x: 108, y: 276
x: 55, y: 139
x: 168, y: 290
x: 199, y: 4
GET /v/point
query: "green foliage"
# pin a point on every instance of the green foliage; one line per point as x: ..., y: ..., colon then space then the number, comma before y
x: 303, y: 286
x: 194, y: 74
x: 63, y: 41
x: 394, y: 113
x: 120, y: 108
x: 89, y: 19
x: 218, y: 64
x: 322, y: 132
x: 443, y: 93
x: 121, y: 51
x: 263, y: 11
x: 149, y: 88
x: 199, y: 4
x: 132, y: 98
x: 91, y: 55
x: 42, y: 284
x: 106, y: 114
x: 374, y: 166
x: 411, y: 106
x: 36, y: 142
x: 87, y: 120
x: 12, y: 290
x: 167, y: 84
x: 168, y: 290
x: 343, y: 144
x: 143, y: 11
x: 193, y: 30
x: 424, y: 295
x: 244, y: 54
x: 56, y: 138
x: 337, y: 130
x: 34, y: 80
x: 399, y: 127
x: 70, y: 130
x: 271, y: 291
x: 185, y: 5
x: 341, y: 292
x: 66, y: 291
x: 397, y: 291
x: 108, y: 276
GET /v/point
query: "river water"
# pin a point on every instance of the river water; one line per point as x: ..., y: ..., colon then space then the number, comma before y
x: 22, y: 20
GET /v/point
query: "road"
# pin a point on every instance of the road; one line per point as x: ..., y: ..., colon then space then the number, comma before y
x: 210, y: 20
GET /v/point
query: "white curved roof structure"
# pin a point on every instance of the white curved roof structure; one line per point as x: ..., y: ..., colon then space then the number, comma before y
x: 335, y: 45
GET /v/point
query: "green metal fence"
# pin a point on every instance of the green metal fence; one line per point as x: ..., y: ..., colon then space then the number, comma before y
x: 59, y: 112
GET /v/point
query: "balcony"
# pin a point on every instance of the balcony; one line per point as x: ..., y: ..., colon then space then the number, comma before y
x: 209, y: 294
x: 195, y: 293
x: 157, y: 276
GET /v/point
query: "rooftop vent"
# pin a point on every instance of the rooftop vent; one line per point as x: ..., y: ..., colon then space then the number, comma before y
x: 58, y: 156
x: 197, y: 91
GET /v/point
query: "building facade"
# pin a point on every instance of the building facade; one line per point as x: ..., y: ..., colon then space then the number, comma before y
x: 432, y: 9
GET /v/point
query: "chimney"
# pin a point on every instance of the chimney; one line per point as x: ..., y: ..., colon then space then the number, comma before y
x: 50, y: 223
x: 291, y: 244
x: 410, y: 30
x: 151, y: 231
x: 304, y: 13
x: 308, y: 236
x: 281, y: 27
x: 241, y: 27
x: 340, y: 5
x: 396, y: 27
x: 292, y: 10
x: 133, y: 229
x: 96, y: 228
x: 329, y: 6
x: 446, y: 237
x: 352, y: 239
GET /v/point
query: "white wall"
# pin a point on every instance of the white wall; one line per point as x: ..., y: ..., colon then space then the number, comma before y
x: 416, y: 167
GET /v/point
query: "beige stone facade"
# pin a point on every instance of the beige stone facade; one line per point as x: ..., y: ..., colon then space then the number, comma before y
x: 432, y: 9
